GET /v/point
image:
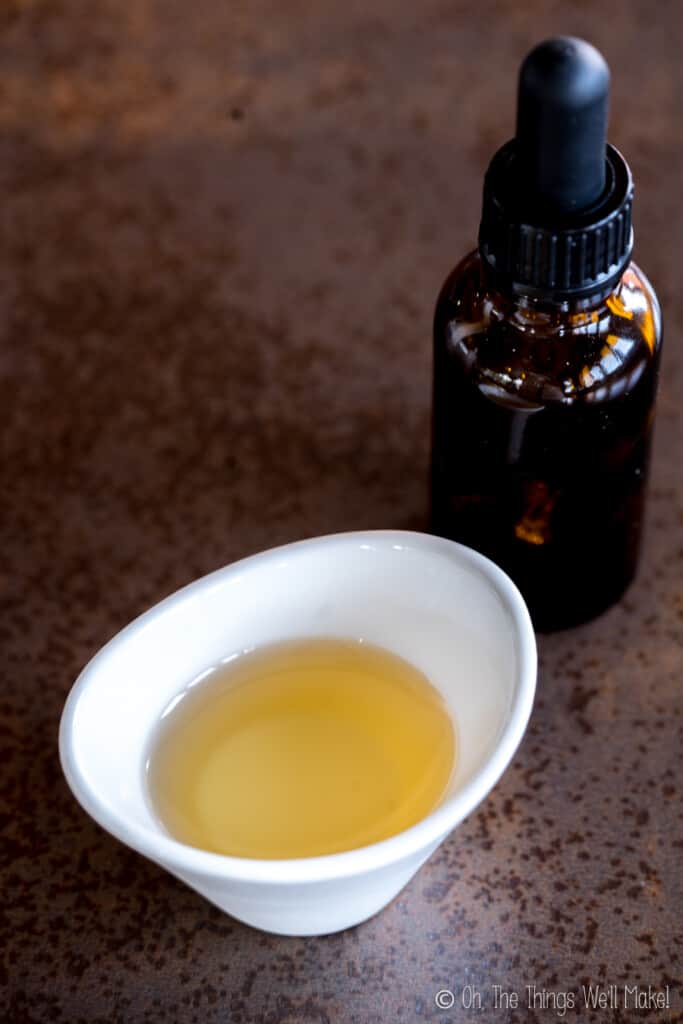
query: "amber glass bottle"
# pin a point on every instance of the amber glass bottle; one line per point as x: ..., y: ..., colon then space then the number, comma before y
x: 546, y: 352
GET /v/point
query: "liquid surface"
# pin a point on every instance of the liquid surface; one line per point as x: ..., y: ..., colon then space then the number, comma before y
x: 300, y: 749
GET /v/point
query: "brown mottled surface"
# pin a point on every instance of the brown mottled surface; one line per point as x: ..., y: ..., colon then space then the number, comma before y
x: 223, y: 229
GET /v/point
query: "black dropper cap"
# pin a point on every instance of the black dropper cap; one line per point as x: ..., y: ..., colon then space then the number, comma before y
x: 556, y: 218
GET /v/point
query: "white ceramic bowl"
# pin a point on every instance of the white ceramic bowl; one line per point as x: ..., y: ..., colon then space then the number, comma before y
x: 445, y: 608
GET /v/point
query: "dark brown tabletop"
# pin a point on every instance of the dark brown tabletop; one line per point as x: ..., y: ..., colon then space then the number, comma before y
x: 224, y: 226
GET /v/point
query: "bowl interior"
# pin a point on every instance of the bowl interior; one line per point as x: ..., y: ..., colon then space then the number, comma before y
x: 436, y: 604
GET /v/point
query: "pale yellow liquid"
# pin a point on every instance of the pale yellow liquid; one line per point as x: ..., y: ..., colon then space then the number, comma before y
x: 300, y: 749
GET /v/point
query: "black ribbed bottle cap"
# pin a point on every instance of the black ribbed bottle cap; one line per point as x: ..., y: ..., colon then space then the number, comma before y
x: 556, y: 219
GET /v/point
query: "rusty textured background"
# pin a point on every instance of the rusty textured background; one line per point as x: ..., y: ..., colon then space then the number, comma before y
x: 224, y: 225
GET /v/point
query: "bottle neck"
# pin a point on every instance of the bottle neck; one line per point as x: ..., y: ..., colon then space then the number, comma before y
x: 531, y: 310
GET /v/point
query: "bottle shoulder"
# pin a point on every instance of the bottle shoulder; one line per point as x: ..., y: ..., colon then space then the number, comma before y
x: 548, y: 354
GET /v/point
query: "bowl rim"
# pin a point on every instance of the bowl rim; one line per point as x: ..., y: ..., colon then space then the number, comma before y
x: 179, y: 857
